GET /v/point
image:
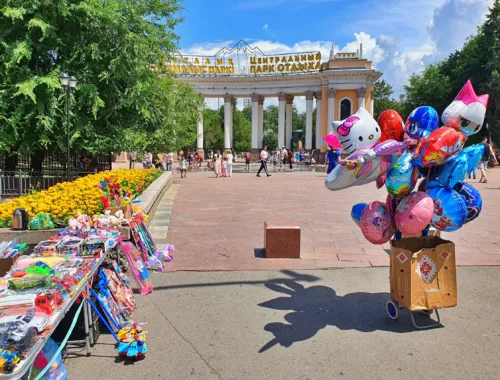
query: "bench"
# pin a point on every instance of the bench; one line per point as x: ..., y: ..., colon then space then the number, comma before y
x: 282, y: 240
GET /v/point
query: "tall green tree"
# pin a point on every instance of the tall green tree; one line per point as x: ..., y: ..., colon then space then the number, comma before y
x: 110, y: 46
x: 383, y: 99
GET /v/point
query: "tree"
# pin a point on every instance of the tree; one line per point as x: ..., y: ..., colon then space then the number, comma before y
x: 270, y: 139
x: 213, y: 130
x: 271, y: 119
x: 383, y: 100
x: 242, y: 132
x: 110, y: 46
x: 431, y: 88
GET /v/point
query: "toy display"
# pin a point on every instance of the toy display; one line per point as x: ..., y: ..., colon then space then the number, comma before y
x: 137, y: 267
x: 434, y: 153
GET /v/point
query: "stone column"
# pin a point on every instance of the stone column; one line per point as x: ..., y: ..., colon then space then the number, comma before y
x: 199, y: 140
x: 309, y: 119
x: 361, y: 97
x: 331, y: 109
x: 228, y: 121
x: 288, y: 120
x: 231, y: 129
x: 255, y: 121
x: 319, y: 142
x: 281, y: 120
x: 260, y: 129
x: 372, y: 101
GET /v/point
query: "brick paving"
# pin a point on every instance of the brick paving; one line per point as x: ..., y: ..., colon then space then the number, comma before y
x: 218, y: 224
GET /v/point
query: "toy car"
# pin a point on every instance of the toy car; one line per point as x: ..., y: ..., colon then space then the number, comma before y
x: 20, y: 331
x: 9, y: 359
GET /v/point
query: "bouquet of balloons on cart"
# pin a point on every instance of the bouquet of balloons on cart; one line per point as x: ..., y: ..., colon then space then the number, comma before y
x: 395, y: 154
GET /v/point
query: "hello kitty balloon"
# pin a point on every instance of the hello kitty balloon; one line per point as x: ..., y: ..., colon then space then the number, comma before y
x: 466, y: 113
x: 359, y: 131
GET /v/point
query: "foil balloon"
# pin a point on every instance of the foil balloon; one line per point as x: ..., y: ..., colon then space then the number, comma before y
x: 441, y: 145
x: 365, y: 166
x: 453, y: 170
x: 376, y: 224
x: 402, y: 177
x: 392, y: 126
x: 414, y: 213
x: 421, y: 122
x: 466, y: 113
x: 333, y: 141
x: 359, y: 131
x: 474, y: 154
x: 450, y: 209
x: 356, y: 212
x: 472, y: 200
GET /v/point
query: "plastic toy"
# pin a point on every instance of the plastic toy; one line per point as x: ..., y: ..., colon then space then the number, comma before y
x: 9, y: 359
x: 137, y: 267
x: 41, y: 268
x: 27, y: 282
x: 19, y: 331
x: 132, y: 342
x: 47, y: 248
x: 48, y: 301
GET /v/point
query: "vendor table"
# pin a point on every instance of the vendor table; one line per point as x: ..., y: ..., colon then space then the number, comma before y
x: 24, y: 367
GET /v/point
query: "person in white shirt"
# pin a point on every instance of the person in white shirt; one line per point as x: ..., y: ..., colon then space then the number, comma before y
x: 263, y: 161
x: 183, y: 166
x: 278, y: 158
x: 229, y: 157
x: 284, y: 157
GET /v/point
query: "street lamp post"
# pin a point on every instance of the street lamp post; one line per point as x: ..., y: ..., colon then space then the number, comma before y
x: 68, y: 83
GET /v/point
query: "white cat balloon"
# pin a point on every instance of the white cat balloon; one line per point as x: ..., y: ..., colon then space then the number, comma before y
x: 359, y: 131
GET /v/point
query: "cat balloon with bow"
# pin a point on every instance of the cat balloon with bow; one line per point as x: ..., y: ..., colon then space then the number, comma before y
x: 359, y: 131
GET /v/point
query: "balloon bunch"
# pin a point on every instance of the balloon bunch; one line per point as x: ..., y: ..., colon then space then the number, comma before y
x: 397, y: 155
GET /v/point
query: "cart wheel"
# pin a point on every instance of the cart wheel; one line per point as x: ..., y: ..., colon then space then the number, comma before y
x: 8, y: 368
x: 392, y: 309
x: 427, y: 313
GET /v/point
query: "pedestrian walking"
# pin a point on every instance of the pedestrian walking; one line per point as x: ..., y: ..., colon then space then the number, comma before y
x: 483, y: 164
x: 247, y: 161
x: 290, y: 158
x: 217, y: 164
x: 133, y: 158
x: 183, y: 166
x: 263, y: 161
x: 278, y: 158
x: 284, y: 157
x: 224, y: 167
x: 170, y: 161
x: 229, y: 164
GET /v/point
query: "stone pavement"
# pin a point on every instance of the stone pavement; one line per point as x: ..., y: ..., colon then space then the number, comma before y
x: 286, y: 325
x: 218, y: 223
x: 158, y: 225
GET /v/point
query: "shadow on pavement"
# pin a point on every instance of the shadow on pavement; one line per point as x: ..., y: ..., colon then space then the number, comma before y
x: 294, y: 277
x: 316, y: 307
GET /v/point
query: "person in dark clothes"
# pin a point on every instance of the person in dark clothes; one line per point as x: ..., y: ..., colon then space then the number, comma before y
x: 483, y: 164
x: 333, y: 158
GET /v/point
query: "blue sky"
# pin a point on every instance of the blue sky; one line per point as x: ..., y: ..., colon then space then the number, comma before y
x: 399, y: 36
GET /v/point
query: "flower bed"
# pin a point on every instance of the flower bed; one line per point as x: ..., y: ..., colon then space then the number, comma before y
x: 65, y: 200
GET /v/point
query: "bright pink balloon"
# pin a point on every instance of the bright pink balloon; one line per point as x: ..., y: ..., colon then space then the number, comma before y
x: 414, y: 213
x: 333, y: 141
x: 376, y: 223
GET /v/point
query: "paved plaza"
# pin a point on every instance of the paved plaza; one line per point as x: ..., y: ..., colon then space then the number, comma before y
x: 299, y: 325
x: 218, y: 223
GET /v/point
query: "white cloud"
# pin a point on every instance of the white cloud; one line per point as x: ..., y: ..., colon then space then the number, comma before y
x: 265, y: 26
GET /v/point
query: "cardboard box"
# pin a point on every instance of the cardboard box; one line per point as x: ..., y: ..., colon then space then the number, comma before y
x: 5, y: 265
x: 282, y: 240
x: 423, y: 273
x: 127, y: 210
